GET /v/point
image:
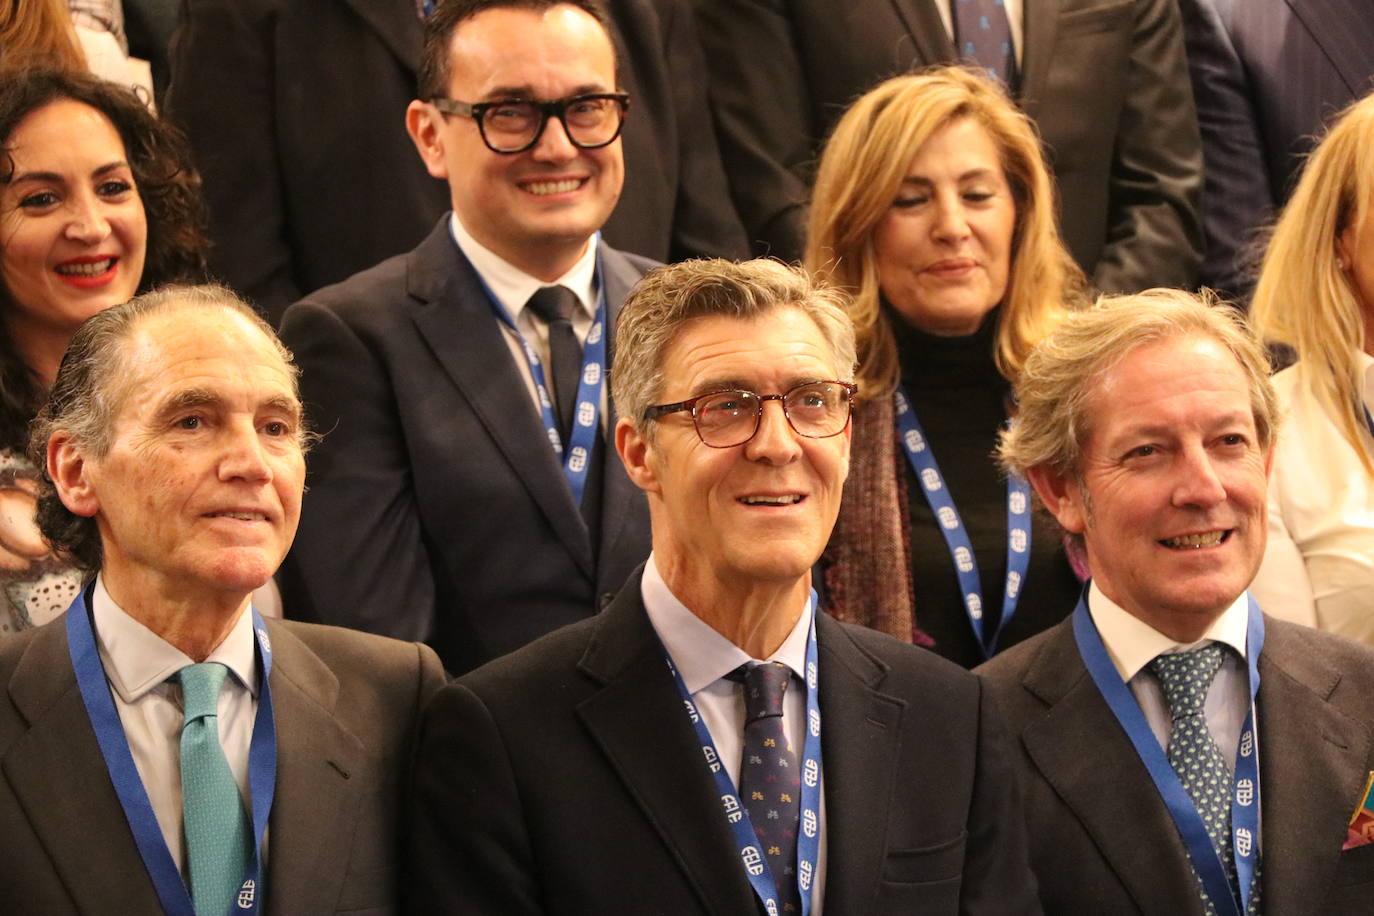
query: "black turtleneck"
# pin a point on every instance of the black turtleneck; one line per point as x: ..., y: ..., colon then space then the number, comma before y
x: 962, y: 401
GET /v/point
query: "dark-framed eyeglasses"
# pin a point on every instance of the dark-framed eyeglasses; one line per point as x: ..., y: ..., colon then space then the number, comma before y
x: 816, y: 410
x: 591, y: 121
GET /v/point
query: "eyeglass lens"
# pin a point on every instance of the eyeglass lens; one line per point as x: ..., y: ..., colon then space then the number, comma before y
x: 728, y: 418
x: 514, y: 125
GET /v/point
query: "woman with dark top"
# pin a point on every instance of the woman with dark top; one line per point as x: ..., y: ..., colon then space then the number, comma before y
x: 933, y: 206
x: 97, y: 202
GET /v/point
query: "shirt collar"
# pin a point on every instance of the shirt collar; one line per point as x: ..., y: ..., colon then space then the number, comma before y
x: 701, y: 655
x: 1132, y: 643
x: 136, y: 659
x: 512, y: 287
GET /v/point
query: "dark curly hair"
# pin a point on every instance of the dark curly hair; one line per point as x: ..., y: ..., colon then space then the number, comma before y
x: 168, y: 185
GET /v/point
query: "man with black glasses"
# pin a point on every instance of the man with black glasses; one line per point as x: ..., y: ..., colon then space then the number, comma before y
x: 462, y: 493
x: 711, y: 742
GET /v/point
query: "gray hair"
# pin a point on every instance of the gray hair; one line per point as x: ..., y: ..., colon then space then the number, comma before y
x: 669, y: 297
x: 90, y: 389
x: 1062, y: 371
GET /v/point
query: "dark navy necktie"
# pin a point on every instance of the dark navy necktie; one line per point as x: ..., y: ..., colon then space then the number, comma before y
x: 769, y: 781
x: 982, y: 35
x: 554, y: 305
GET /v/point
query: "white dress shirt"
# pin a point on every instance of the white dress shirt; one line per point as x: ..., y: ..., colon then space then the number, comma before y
x: 1014, y: 20
x: 1319, y: 564
x: 137, y: 665
x: 512, y: 288
x: 1132, y: 644
x: 704, y: 657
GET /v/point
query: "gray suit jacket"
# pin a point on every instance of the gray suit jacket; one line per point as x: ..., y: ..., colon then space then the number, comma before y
x: 566, y: 778
x: 1105, y: 80
x: 346, y: 707
x: 1101, y: 838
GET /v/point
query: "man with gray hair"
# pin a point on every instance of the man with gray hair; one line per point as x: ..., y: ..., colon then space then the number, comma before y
x: 1181, y: 752
x: 670, y: 755
x: 158, y: 732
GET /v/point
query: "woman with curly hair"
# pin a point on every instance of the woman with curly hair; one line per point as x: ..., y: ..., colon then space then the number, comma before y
x: 934, y: 208
x: 1316, y: 295
x: 98, y: 202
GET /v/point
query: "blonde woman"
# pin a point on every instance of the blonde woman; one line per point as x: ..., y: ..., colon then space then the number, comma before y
x: 934, y: 208
x: 1316, y: 294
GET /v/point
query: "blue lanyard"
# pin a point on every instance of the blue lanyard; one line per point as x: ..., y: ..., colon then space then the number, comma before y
x: 1245, y: 800
x: 808, y: 836
x: 577, y: 458
x: 922, y: 460
x: 138, y: 810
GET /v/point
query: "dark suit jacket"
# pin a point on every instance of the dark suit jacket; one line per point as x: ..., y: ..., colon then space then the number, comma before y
x: 1268, y: 76
x: 346, y: 706
x: 435, y: 508
x: 565, y: 778
x: 296, y: 112
x: 1102, y: 840
x: 1105, y: 80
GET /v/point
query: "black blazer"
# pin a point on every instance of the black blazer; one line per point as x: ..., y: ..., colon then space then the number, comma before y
x: 435, y: 508
x: 1101, y: 838
x: 296, y: 112
x: 347, y: 706
x: 1105, y: 81
x: 1268, y: 76
x: 565, y: 778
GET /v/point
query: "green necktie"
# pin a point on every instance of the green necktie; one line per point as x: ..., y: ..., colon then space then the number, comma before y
x: 218, y: 837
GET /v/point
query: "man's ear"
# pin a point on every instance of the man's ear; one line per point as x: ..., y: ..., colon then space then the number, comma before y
x: 70, y: 473
x: 425, y: 125
x: 635, y: 451
x: 1062, y: 496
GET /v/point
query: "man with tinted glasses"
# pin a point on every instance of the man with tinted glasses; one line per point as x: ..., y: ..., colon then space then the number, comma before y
x: 710, y: 743
x: 463, y: 494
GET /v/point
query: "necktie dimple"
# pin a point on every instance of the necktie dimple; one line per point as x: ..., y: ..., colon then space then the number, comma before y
x: 982, y: 34
x: 1185, y: 678
x: 218, y: 835
x: 770, y: 784
x: 554, y: 306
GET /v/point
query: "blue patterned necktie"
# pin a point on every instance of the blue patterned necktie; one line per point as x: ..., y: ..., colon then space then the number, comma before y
x: 1185, y: 678
x: 982, y: 35
x: 218, y: 836
x: 769, y: 782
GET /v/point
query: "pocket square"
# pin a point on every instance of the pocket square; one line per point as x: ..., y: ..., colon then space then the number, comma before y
x: 1360, y: 832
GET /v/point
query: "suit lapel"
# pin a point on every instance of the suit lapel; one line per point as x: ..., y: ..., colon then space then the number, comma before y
x: 860, y: 735
x: 927, y: 30
x: 619, y: 275
x: 1083, y: 753
x: 638, y: 721
x: 311, y: 827
x: 1040, y: 29
x: 397, y: 24
x: 58, y: 776
x: 455, y: 318
x: 1345, y: 31
x: 1312, y: 770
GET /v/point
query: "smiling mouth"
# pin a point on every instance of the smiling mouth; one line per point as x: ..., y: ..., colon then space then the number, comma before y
x: 1196, y: 541
x: 241, y: 516
x: 85, y: 268
x: 543, y: 188
x: 790, y: 499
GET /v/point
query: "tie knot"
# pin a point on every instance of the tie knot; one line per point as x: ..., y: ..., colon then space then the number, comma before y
x: 200, y: 689
x: 553, y: 303
x: 1185, y: 677
x: 765, y: 684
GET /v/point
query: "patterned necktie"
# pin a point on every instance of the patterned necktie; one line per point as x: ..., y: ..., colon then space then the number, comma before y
x: 769, y: 782
x: 1185, y: 678
x: 218, y: 835
x: 982, y: 35
x: 554, y: 305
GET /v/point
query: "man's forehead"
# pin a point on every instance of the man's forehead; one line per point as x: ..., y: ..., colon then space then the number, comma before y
x: 504, y: 49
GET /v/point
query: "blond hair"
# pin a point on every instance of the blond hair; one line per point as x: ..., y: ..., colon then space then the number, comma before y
x: 39, y: 33
x: 1057, y: 381
x: 861, y: 173
x: 1303, y: 298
